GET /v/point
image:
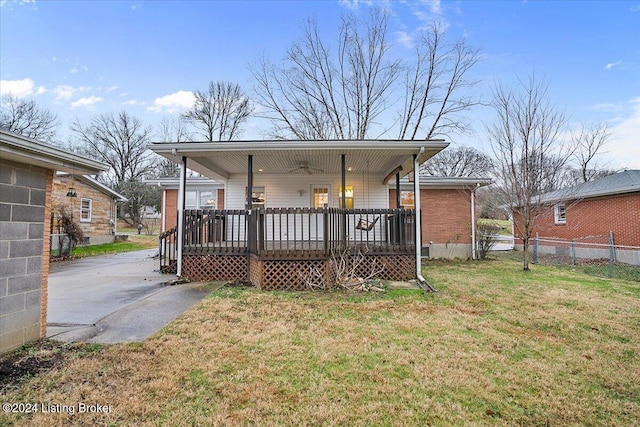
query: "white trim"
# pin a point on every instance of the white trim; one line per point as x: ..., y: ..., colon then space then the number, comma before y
x: 180, y: 234
x: 26, y: 150
x: 558, y: 217
x: 82, y: 200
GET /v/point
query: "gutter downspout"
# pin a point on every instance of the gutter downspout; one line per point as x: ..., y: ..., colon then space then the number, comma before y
x: 181, y: 194
x: 422, y: 282
x: 473, y: 222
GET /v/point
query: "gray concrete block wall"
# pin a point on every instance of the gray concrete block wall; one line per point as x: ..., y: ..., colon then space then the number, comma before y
x: 22, y: 218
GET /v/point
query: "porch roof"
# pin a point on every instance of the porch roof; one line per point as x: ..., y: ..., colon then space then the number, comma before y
x: 219, y: 160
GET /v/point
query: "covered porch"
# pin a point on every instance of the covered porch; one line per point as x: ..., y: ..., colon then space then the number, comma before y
x: 270, y: 237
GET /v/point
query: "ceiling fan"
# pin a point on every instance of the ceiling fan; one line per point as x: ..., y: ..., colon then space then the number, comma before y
x: 304, y: 166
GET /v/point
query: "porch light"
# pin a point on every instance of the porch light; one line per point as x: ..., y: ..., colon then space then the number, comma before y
x: 72, y: 192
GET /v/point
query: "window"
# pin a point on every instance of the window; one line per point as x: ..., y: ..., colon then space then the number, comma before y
x: 207, y: 199
x: 320, y: 197
x: 348, y: 193
x: 258, y: 198
x: 407, y: 200
x: 560, y: 213
x: 200, y: 199
x: 191, y: 200
x: 85, y: 210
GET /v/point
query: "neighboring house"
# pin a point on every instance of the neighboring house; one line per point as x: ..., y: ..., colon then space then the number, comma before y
x: 94, y: 206
x: 201, y: 193
x: 600, y: 209
x: 26, y: 179
x: 448, y: 211
x: 288, y: 205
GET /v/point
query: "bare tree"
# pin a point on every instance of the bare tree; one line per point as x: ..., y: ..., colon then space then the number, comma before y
x: 25, y: 117
x: 459, y: 161
x: 174, y: 130
x: 435, y: 87
x: 589, y: 143
x: 121, y: 142
x: 320, y: 94
x: 525, y: 138
x: 220, y: 111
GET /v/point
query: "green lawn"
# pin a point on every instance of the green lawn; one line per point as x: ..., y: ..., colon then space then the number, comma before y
x: 503, y: 226
x: 133, y: 243
x: 494, y: 346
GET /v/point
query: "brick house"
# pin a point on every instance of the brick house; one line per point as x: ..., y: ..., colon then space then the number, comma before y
x: 448, y: 211
x: 201, y: 193
x: 606, y: 207
x: 95, y: 206
x: 447, y: 205
x: 27, y: 167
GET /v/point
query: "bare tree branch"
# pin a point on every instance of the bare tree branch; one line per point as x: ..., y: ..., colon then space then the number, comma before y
x: 433, y: 84
x: 525, y: 138
x: 460, y: 161
x: 220, y: 111
x: 25, y: 117
x: 319, y: 94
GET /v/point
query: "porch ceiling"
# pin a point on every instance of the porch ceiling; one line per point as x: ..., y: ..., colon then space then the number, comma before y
x: 219, y: 160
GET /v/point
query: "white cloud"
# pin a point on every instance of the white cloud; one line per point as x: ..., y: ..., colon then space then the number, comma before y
x: 612, y: 64
x: 405, y: 39
x: 131, y: 102
x: 66, y: 92
x: 624, y: 146
x: 353, y: 4
x: 171, y: 103
x: 86, y: 102
x: 434, y: 6
x: 20, y: 3
x: 17, y: 88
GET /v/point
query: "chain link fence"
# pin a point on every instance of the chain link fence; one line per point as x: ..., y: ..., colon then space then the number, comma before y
x: 60, y: 246
x: 596, y: 255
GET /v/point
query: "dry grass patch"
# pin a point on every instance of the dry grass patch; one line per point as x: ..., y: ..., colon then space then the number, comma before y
x: 496, y: 346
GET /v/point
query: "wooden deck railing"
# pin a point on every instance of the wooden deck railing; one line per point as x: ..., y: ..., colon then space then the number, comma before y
x: 296, y: 232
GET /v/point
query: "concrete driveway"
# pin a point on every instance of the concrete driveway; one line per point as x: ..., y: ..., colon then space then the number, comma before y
x: 115, y: 298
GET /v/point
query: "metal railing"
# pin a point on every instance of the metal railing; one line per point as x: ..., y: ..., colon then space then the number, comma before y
x: 291, y: 232
x: 168, y: 251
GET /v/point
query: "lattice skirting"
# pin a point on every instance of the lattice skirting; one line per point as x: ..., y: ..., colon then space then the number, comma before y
x: 171, y: 268
x: 212, y: 267
x: 287, y: 275
x: 389, y: 267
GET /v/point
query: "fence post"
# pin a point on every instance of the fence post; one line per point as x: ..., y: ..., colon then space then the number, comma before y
x: 612, y: 254
x: 535, y: 249
x: 573, y: 251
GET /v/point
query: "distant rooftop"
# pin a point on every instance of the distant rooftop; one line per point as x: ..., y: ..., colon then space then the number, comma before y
x: 618, y: 183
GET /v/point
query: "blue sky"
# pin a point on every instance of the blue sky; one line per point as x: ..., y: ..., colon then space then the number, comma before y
x: 83, y: 58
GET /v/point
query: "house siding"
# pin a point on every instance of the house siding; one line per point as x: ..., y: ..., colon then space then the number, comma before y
x: 282, y: 191
x: 24, y: 237
x: 102, y: 208
x: 446, y: 221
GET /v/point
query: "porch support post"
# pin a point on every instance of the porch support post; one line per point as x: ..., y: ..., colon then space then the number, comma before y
x: 418, y: 222
x: 473, y: 222
x: 181, y: 199
x: 250, y: 181
x: 344, y: 181
x: 343, y: 166
x: 397, y: 190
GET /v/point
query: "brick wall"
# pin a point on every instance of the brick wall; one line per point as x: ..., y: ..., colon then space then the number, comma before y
x: 23, y: 197
x: 100, y: 205
x: 593, y: 217
x: 446, y: 215
x: 171, y: 206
